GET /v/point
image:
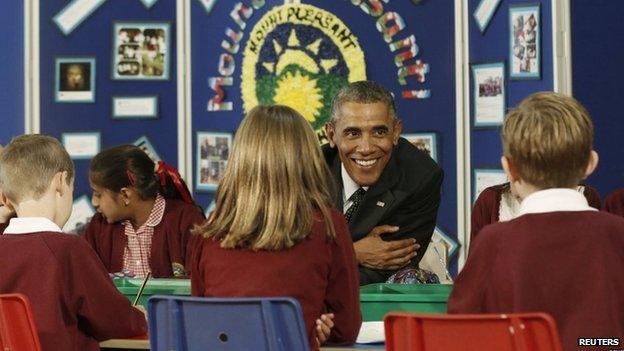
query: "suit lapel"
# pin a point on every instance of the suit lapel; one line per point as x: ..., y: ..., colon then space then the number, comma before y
x: 370, y: 213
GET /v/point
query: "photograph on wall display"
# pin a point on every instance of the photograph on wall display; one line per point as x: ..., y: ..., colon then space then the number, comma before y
x: 141, y: 51
x: 524, y: 41
x: 75, y: 79
x: 488, y: 94
x: 426, y: 142
x: 144, y: 144
x: 212, y: 152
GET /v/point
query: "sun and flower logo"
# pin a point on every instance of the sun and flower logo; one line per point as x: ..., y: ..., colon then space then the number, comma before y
x: 299, y: 55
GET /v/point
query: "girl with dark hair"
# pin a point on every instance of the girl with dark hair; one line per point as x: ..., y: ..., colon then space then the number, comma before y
x: 145, y: 214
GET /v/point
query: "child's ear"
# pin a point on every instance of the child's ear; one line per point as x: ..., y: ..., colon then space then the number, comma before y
x: 510, y: 170
x: 57, y: 182
x: 4, y: 200
x: 125, y: 194
x: 592, y: 163
x: 61, y: 182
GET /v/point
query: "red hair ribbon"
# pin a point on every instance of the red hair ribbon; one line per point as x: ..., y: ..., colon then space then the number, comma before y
x: 131, y: 177
x: 164, y: 170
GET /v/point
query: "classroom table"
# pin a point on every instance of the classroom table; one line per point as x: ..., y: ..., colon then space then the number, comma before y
x: 143, y: 344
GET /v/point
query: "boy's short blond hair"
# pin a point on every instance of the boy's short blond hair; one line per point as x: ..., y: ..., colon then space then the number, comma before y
x: 28, y: 164
x: 549, y: 138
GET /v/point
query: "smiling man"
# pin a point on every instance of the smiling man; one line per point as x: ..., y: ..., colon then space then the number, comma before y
x: 388, y: 190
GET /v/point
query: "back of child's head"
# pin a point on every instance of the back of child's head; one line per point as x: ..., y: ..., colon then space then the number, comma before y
x: 127, y: 166
x: 274, y: 180
x: 548, y: 139
x: 29, y: 163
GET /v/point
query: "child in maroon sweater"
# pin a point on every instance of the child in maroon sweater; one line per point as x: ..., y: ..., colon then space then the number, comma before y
x: 145, y: 214
x: 74, y: 302
x: 560, y: 256
x: 274, y: 231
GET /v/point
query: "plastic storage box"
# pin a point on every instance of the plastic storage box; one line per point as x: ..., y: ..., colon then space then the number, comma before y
x: 129, y: 287
x: 378, y: 299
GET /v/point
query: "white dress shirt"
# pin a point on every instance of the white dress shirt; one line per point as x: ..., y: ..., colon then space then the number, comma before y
x: 554, y: 200
x: 24, y: 225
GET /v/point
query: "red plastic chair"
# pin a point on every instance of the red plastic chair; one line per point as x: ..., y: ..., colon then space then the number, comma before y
x: 17, y: 325
x: 471, y: 332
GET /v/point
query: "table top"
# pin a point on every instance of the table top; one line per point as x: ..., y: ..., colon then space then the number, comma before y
x: 143, y: 344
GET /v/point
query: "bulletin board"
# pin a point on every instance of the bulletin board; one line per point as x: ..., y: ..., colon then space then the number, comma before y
x: 494, y: 44
x: 96, y: 36
x: 12, y: 71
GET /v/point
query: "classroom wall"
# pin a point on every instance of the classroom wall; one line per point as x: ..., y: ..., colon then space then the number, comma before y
x: 493, y: 45
x: 597, y: 75
x: 431, y: 23
x: 94, y: 38
x: 12, y: 70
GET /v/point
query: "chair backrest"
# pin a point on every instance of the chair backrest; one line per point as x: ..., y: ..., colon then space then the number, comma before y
x: 17, y: 325
x: 482, y: 332
x: 178, y: 323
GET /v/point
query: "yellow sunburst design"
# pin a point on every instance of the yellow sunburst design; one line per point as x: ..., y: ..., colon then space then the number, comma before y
x: 352, y: 54
x: 301, y: 93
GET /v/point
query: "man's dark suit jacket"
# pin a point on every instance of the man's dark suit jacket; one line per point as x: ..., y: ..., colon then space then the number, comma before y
x: 406, y: 195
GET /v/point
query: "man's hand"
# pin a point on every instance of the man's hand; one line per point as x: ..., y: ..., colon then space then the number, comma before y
x: 324, y: 326
x: 374, y: 252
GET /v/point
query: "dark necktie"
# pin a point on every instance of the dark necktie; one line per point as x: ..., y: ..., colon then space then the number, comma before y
x: 356, y: 198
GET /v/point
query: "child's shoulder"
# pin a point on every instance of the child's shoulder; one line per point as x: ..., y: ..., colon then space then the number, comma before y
x: 64, y: 242
x: 179, y: 206
x: 494, y: 191
x: 563, y: 222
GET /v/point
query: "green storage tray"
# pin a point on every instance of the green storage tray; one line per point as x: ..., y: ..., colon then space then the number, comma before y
x: 129, y: 287
x: 378, y: 299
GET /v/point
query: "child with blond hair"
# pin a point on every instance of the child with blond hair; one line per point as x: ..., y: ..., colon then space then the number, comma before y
x: 274, y: 231
x: 74, y: 302
x: 560, y: 256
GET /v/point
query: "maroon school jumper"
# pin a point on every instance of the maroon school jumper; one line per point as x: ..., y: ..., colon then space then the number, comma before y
x: 320, y: 272
x: 568, y: 264
x: 168, y: 243
x: 74, y: 302
x: 486, y: 209
x: 614, y: 203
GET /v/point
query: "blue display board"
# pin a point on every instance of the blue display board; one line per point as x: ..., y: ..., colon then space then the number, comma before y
x: 597, y: 57
x: 12, y: 70
x: 221, y: 35
x: 494, y: 46
x: 94, y: 37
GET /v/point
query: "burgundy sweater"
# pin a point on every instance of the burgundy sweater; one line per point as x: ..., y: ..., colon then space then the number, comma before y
x: 568, y: 264
x: 486, y: 209
x: 169, y: 242
x: 74, y: 302
x: 614, y: 203
x: 320, y: 272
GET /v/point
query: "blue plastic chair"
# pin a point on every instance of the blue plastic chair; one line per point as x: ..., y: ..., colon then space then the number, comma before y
x: 178, y: 323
